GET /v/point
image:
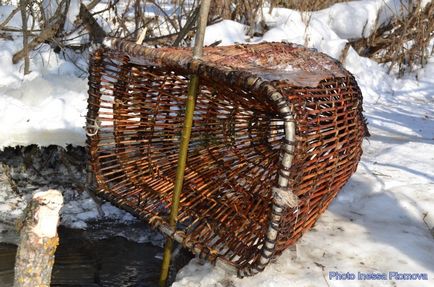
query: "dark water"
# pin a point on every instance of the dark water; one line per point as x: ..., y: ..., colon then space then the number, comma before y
x: 82, y: 260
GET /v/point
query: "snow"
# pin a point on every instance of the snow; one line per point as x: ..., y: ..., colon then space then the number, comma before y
x: 79, y: 210
x: 227, y: 31
x: 382, y: 221
x: 48, y: 106
x: 349, y: 20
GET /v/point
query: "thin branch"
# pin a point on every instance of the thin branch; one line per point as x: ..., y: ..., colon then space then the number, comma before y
x: 6, y: 21
x: 168, y: 18
x: 187, y: 27
x: 48, y: 33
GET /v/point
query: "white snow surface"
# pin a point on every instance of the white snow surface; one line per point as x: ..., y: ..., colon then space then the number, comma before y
x: 382, y: 221
x: 226, y: 31
x: 48, y: 106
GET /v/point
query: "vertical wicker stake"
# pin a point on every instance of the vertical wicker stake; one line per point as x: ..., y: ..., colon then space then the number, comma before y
x: 186, y: 131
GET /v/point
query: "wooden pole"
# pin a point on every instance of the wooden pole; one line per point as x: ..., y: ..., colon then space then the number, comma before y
x: 38, y: 240
x: 185, y: 140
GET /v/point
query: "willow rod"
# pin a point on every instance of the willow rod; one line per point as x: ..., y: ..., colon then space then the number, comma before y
x: 185, y: 139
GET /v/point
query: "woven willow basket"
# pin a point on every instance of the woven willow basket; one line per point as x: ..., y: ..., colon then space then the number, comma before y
x: 277, y: 132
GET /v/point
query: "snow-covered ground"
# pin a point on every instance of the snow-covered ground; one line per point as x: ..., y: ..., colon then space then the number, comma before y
x: 381, y: 222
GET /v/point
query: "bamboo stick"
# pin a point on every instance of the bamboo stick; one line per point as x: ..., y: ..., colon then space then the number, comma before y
x: 185, y: 139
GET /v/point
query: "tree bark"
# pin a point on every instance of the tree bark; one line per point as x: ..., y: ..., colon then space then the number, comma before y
x: 38, y: 240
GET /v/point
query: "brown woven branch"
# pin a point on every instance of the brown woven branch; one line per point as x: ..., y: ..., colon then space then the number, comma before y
x: 277, y: 132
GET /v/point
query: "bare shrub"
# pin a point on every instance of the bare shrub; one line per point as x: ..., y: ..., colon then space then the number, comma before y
x: 167, y: 22
x: 303, y: 5
x: 403, y: 43
x: 243, y: 11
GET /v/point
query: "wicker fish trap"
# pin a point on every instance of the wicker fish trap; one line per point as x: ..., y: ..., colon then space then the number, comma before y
x: 277, y: 132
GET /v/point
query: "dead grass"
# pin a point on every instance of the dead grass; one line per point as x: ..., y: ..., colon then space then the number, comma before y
x: 309, y: 5
x: 248, y: 11
x: 403, y: 44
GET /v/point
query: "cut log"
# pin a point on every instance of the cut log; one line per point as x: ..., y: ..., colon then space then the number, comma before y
x: 38, y: 240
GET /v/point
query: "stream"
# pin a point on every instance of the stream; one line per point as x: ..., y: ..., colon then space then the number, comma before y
x: 109, y: 249
x: 84, y: 258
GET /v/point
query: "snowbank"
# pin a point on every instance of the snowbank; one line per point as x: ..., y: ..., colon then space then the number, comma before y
x: 226, y: 31
x: 48, y: 106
